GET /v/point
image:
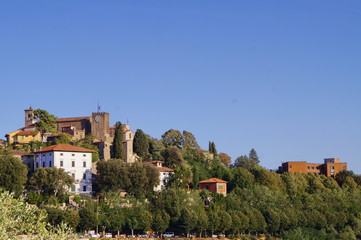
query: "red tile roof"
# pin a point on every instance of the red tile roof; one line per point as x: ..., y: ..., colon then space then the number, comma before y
x: 26, y: 133
x: 213, y: 180
x: 165, y: 169
x: 19, y: 153
x: 72, y: 119
x: 64, y: 148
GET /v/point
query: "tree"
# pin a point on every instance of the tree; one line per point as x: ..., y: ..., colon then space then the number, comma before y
x: 46, y: 122
x: 160, y: 221
x: 145, y: 221
x: 19, y: 218
x: 172, y: 157
x: 189, y: 141
x: 226, y: 221
x: 140, y: 144
x: 172, y: 138
x: 212, y: 148
x: 88, y: 216
x: 112, y: 175
x: 242, y: 178
x: 225, y: 159
x: 152, y: 174
x: 118, y: 149
x: 51, y: 181
x: 249, y: 161
x: 188, y: 220
x: 253, y: 156
x: 13, y: 173
x: 138, y: 179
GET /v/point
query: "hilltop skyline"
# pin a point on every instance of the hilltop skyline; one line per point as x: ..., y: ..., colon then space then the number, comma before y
x: 283, y: 79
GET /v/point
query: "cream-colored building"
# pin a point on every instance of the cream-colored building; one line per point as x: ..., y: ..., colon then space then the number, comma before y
x: 76, y: 161
x: 164, y: 175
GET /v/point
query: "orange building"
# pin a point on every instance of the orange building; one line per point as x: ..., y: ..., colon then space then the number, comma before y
x: 214, y: 185
x: 329, y: 168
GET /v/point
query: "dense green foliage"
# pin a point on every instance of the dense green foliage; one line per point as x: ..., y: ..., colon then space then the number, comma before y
x: 45, y: 121
x: 118, y: 149
x: 259, y: 201
x: 51, y: 181
x: 13, y: 173
x: 141, y: 144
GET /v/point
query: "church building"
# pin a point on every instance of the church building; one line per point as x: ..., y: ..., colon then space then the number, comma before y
x: 78, y: 127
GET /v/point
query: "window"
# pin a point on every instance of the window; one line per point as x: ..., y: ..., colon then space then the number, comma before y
x: 61, y: 164
x: 308, y: 167
x: 61, y: 154
x: 43, y: 155
x: 84, y: 155
x: 37, y: 165
x: 73, y: 154
x: 290, y: 166
x: 50, y: 164
x: 73, y: 163
x: 73, y: 188
x: 84, y: 164
x: 43, y: 164
x: 219, y: 186
x: 84, y: 188
x: 207, y: 187
x: 84, y: 175
x: 73, y: 175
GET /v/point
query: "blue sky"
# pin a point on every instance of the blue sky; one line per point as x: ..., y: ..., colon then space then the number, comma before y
x: 282, y: 77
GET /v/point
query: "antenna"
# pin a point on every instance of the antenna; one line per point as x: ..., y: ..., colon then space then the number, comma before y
x: 98, y: 107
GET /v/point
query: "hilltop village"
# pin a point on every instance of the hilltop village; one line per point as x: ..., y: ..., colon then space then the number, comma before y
x: 108, y: 180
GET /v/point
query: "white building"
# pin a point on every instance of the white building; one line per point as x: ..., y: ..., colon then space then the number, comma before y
x: 164, y: 175
x: 76, y: 161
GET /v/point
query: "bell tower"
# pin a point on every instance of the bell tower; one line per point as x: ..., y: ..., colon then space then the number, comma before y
x: 100, y: 125
x: 29, y: 117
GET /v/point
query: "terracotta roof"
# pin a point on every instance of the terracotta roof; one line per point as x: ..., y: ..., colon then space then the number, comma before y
x: 64, y: 148
x: 71, y: 119
x: 19, y: 153
x: 165, y: 169
x: 25, y: 133
x: 213, y: 180
x: 156, y: 162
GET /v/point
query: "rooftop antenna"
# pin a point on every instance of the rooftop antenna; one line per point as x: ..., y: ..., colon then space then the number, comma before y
x: 98, y: 107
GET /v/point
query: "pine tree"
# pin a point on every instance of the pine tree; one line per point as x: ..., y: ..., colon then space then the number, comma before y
x: 253, y: 156
x: 140, y: 144
x: 118, y: 149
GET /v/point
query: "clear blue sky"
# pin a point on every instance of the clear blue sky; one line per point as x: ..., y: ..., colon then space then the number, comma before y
x: 283, y: 77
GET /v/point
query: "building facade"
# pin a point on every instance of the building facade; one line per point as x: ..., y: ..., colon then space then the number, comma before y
x: 214, y: 185
x: 76, y: 161
x: 78, y: 127
x: 164, y: 175
x: 329, y: 168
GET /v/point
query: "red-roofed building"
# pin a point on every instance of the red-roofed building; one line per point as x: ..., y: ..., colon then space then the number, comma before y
x: 76, y: 161
x: 164, y: 175
x: 214, y: 185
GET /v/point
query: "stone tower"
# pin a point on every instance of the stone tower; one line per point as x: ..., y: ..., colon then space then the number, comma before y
x: 100, y: 126
x: 29, y: 117
x: 128, y: 137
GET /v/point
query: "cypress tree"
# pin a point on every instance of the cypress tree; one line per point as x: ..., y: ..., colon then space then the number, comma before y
x: 118, y: 149
x: 214, y: 150
x: 140, y: 144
